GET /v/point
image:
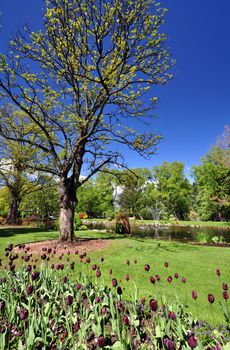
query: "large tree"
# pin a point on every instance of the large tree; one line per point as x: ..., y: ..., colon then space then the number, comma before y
x: 79, y: 80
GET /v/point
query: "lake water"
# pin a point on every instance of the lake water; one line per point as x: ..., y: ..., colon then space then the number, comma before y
x: 177, y: 232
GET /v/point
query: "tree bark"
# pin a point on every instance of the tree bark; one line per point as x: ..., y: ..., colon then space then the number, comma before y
x: 68, y: 202
x: 12, y: 215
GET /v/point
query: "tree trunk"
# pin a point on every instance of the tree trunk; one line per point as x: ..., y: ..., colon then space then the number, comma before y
x: 68, y: 202
x: 12, y: 215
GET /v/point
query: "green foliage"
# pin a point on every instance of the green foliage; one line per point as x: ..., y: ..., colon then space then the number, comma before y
x: 42, y: 198
x: 202, y: 237
x: 218, y: 239
x: 172, y: 189
x: 4, y: 201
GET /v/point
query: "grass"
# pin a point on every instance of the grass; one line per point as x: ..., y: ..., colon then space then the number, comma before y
x: 198, y: 264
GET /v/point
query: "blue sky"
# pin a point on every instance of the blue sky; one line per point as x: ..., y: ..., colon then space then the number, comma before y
x: 195, y: 106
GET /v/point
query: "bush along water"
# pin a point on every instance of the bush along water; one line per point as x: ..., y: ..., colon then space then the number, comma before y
x: 57, y: 306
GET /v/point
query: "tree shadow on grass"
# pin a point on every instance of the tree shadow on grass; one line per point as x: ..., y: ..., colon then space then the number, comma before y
x: 12, y: 231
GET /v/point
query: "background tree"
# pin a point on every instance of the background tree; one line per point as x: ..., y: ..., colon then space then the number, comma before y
x: 42, y: 198
x: 77, y: 80
x: 96, y: 197
x: 13, y: 176
x: 133, y: 194
x: 174, y: 188
x: 212, y: 180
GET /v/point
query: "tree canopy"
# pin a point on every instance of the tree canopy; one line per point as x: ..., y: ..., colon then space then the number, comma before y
x: 77, y: 80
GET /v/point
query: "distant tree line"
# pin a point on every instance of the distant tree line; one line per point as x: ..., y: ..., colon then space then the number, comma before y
x: 162, y: 192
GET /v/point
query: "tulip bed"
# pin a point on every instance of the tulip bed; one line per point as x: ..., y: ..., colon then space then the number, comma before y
x: 47, y: 303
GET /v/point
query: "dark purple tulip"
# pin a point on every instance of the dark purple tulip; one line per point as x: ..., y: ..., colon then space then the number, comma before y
x: 72, y: 266
x: 26, y: 258
x: 29, y: 290
x: 2, y: 305
x: 94, y: 267
x: 126, y: 320
x: 43, y: 256
x: 103, y: 310
x: 101, y: 341
x: 127, y: 277
x: 110, y: 271
x: 76, y: 252
x: 69, y: 300
x: 34, y: 275
x: 119, y: 290
x: 65, y: 279
x: 10, y: 247
x: 172, y: 315
x: 78, y: 286
x: 183, y: 279
x: 49, y: 250
x: 153, y: 304
x: 169, y: 344
x: 127, y: 261
x: 169, y: 279
x: 192, y: 342
x: 88, y: 260
x: 176, y: 275
x: 28, y: 268
x: 135, y: 261
x: 23, y: 314
x: 218, y: 273
x: 157, y: 278
x: 147, y: 267
x: 3, y: 279
x: 194, y: 294
x: 152, y: 279
x: 225, y: 286
x: 76, y: 326
x: 97, y: 300
x: 2, y: 330
x: 166, y: 264
x: 98, y: 273
x: 225, y: 295
x: 102, y: 259
x: 12, y: 267
x: 211, y: 298
x: 114, y: 282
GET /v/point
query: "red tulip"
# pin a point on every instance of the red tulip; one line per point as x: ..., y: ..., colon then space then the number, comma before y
x: 192, y: 342
x: 194, y: 294
x: 101, y: 341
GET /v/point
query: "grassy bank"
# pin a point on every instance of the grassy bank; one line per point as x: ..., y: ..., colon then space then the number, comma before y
x: 196, y: 263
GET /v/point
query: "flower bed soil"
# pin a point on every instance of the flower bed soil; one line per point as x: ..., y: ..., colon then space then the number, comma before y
x: 81, y: 245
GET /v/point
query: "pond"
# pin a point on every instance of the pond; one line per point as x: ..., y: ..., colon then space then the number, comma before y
x: 165, y: 232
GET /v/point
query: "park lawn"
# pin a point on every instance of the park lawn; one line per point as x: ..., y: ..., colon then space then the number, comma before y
x: 196, y: 263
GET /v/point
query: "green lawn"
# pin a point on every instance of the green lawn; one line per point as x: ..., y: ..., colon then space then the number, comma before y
x: 198, y: 264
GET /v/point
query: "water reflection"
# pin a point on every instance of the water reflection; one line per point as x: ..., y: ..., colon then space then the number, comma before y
x: 176, y: 233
